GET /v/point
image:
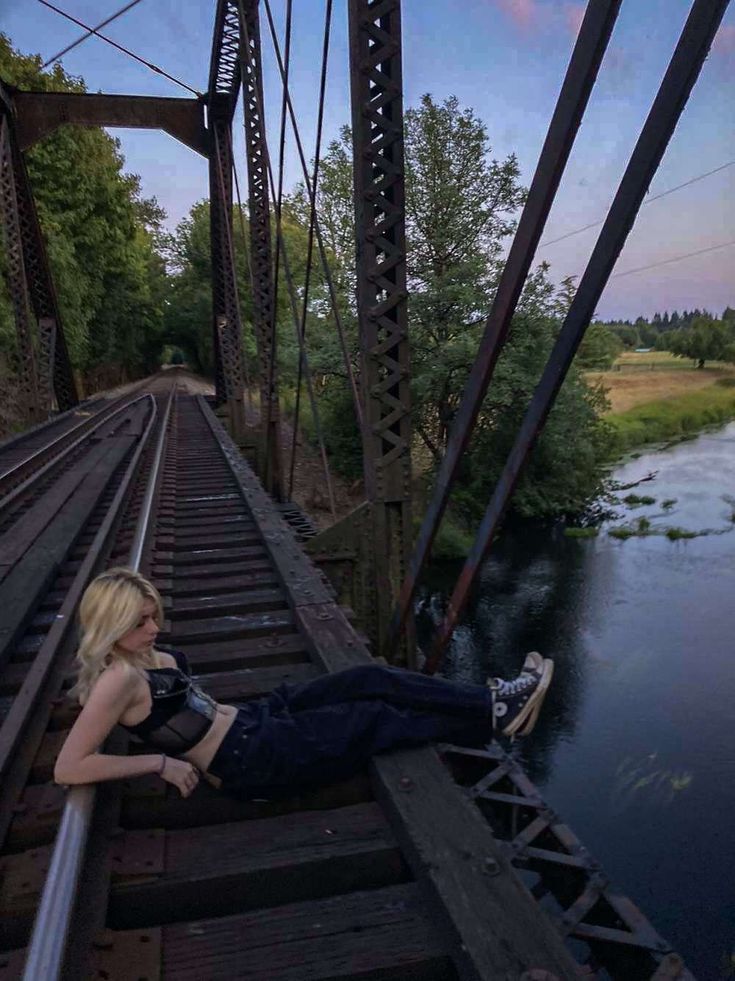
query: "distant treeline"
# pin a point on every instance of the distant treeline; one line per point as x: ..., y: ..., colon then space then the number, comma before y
x: 695, y: 334
x: 647, y: 333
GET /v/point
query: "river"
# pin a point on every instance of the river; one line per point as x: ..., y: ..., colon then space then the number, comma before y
x: 634, y: 748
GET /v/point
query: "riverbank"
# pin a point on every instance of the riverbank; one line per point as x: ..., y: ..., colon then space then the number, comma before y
x: 632, y: 747
x: 674, y: 417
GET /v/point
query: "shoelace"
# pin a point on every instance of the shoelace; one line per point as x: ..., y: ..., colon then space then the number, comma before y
x: 514, y: 687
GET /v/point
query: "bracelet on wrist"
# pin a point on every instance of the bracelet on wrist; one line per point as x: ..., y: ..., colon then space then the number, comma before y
x: 162, y: 766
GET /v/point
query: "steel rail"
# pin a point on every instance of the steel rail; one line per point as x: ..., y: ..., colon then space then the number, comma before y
x: 51, y: 927
x: 682, y: 72
x: 25, y: 701
x: 88, y: 427
x: 590, y: 46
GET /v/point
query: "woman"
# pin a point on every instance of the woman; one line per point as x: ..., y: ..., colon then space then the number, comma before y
x: 298, y: 736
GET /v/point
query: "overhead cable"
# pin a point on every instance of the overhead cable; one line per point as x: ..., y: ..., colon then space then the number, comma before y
x: 655, y: 197
x: 127, y: 51
x: 289, y: 279
x: 317, y: 228
x: 676, y: 258
x: 312, y: 218
x: 278, y: 203
x: 89, y: 33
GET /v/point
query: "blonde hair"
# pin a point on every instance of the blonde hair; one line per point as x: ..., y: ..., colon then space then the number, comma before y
x: 110, y: 608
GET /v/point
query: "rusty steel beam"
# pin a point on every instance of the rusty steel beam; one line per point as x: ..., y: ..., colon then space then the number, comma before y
x: 584, y: 64
x: 224, y: 66
x: 55, y: 375
x: 261, y: 255
x: 681, y: 74
x: 40, y: 113
x: 15, y: 274
x: 569, y: 881
x: 227, y: 323
x: 377, y: 127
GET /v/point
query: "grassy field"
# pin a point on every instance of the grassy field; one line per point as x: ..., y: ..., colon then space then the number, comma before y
x: 674, y: 417
x: 637, y: 379
x: 656, y: 397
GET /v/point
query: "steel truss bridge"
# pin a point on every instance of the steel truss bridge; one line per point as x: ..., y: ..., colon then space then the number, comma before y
x: 431, y: 867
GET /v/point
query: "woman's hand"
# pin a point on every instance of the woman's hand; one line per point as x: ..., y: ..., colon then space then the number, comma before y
x: 181, y: 774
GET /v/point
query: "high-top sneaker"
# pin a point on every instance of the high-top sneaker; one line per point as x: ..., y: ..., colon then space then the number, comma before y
x: 516, y: 703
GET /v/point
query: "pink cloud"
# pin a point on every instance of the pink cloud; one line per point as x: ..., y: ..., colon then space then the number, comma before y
x: 573, y: 16
x: 525, y: 14
x: 724, y: 42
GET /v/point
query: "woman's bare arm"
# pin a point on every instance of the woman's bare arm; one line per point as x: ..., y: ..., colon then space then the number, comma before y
x: 79, y: 760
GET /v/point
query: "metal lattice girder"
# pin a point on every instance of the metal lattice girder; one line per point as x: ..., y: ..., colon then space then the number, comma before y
x: 223, y: 283
x: 225, y: 303
x: 16, y: 275
x: 54, y: 364
x: 377, y: 125
x: 264, y: 301
x: 573, y: 887
x: 224, y: 70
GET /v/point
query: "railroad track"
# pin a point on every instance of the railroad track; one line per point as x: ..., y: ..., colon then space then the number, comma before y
x: 25, y: 456
x: 393, y: 874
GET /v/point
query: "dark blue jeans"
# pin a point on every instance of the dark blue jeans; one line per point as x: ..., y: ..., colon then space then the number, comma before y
x: 302, y: 736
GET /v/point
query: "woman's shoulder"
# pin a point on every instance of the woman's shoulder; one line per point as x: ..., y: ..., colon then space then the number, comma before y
x: 164, y: 657
x: 167, y: 657
x: 118, y: 678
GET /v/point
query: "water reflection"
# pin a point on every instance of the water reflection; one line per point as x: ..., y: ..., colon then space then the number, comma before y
x: 528, y: 598
x: 634, y: 747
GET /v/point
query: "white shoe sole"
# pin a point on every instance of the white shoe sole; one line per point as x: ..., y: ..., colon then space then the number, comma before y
x: 525, y: 721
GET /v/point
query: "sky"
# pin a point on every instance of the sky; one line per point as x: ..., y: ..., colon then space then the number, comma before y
x: 505, y: 59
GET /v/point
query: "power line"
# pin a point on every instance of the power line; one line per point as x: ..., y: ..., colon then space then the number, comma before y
x: 84, y: 37
x: 676, y: 258
x: 656, y: 197
x: 130, y: 54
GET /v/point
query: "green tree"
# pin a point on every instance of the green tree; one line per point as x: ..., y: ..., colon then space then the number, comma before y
x: 461, y: 206
x: 599, y: 348
x: 101, y: 238
x: 188, y: 307
x: 705, y: 340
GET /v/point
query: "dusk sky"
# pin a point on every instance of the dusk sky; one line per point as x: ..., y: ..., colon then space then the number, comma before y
x: 504, y: 58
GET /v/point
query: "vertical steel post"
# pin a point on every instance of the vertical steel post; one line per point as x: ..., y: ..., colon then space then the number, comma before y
x: 227, y: 325
x: 377, y: 129
x: 17, y: 280
x: 55, y: 376
x: 264, y: 299
x: 219, y: 317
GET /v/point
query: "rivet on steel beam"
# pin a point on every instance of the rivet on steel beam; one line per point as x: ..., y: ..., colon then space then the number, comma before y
x: 406, y: 784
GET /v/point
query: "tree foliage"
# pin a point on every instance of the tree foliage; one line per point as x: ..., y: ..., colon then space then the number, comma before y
x: 705, y: 340
x: 101, y: 238
x: 461, y: 206
x: 599, y: 348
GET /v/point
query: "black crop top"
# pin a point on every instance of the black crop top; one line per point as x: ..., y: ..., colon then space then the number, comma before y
x: 181, y: 714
